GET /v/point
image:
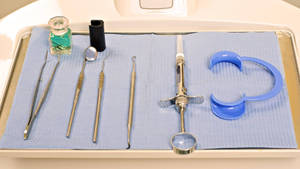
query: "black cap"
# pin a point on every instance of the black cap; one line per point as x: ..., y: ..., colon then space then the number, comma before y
x: 97, y: 37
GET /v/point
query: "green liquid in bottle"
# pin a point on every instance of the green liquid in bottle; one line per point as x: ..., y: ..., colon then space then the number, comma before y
x: 60, y: 36
x: 61, y: 44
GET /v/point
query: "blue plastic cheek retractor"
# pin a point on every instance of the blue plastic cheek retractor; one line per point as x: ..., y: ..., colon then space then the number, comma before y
x: 234, y: 110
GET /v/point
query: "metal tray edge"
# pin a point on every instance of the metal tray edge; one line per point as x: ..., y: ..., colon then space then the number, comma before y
x: 222, y: 153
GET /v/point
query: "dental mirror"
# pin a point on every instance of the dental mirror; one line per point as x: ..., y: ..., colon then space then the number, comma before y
x: 183, y: 143
x: 90, y: 54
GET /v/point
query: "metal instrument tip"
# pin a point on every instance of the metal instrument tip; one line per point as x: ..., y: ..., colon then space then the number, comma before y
x: 103, y: 64
x: 68, y: 132
x: 94, y: 140
x: 133, y: 59
x: 25, y: 134
x: 128, y: 146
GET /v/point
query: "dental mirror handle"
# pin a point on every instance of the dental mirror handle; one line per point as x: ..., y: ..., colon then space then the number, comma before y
x: 76, y: 97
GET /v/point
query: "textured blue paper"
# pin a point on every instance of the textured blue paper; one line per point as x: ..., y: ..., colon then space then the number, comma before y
x: 266, y: 124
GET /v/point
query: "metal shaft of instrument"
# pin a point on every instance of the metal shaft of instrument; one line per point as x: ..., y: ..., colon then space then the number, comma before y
x: 182, y: 142
x: 131, y: 102
x: 182, y: 109
x: 76, y: 97
x: 37, y: 86
x: 42, y: 99
x: 181, y: 90
x: 181, y: 100
x: 99, y: 98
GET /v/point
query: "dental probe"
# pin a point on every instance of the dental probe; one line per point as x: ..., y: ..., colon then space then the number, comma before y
x: 131, y: 101
x: 100, y: 91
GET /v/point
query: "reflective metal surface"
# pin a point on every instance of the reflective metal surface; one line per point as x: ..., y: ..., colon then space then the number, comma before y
x: 42, y: 99
x: 131, y: 102
x: 99, y: 98
x: 90, y: 54
x: 182, y: 142
x: 287, y: 46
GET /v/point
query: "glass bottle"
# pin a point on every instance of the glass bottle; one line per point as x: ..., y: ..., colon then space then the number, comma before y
x: 60, y: 36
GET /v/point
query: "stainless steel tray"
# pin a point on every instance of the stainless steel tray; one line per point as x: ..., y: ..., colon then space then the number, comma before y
x: 287, y: 47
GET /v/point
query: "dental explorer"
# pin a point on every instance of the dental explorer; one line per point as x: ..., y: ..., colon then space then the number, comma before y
x: 99, y: 98
x: 131, y: 101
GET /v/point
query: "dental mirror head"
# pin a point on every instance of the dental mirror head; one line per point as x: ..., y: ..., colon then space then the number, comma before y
x: 183, y: 143
x: 90, y: 54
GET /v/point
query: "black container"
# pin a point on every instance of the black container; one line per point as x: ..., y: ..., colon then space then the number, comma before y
x: 97, y: 37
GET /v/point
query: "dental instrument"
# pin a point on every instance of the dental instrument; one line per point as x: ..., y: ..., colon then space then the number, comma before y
x: 35, y: 112
x: 99, y: 99
x: 182, y: 142
x: 131, y: 101
x: 90, y: 55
